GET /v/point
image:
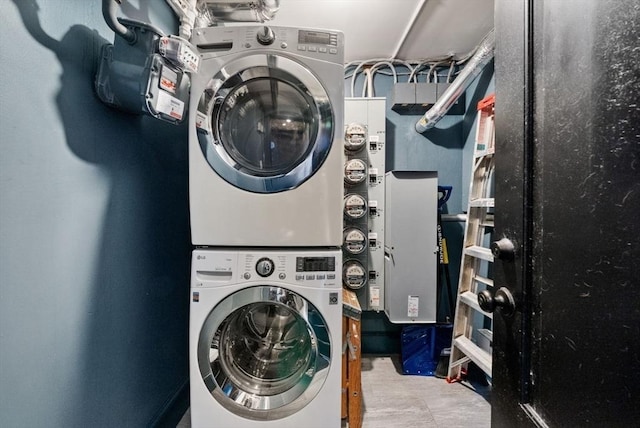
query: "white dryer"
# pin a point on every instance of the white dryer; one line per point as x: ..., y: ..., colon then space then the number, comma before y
x: 265, y: 339
x: 265, y: 137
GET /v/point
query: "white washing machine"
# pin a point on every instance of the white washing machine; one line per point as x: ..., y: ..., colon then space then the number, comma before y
x: 265, y: 339
x: 265, y: 137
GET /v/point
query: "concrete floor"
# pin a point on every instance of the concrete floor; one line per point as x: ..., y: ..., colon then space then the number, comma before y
x: 392, y: 400
x: 395, y: 400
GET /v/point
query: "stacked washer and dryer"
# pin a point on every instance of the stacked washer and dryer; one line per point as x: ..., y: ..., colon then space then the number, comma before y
x: 266, y: 160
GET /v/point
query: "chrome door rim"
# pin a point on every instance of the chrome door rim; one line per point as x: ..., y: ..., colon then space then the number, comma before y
x: 241, y: 71
x: 227, y: 392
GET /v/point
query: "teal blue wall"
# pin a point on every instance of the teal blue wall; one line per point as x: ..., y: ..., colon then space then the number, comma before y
x: 94, y: 237
x: 447, y: 149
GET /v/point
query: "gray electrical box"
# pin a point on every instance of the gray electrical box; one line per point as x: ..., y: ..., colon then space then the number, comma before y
x: 411, y: 247
x: 417, y: 98
x: 370, y: 114
x: 413, y: 98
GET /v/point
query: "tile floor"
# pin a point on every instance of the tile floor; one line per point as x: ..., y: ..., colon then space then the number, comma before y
x: 392, y: 400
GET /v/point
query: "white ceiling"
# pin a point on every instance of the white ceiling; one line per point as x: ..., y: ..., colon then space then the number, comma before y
x: 384, y: 29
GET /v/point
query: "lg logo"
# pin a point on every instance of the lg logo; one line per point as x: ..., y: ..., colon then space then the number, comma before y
x: 199, y: 257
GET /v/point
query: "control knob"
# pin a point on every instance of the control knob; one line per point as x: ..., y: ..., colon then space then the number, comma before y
x: 266, y: 36
x: 265, y: 267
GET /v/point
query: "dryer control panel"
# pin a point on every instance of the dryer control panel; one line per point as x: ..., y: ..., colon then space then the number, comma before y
x: 312, y: 43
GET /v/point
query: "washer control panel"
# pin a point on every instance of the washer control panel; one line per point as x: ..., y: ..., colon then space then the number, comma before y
x: 214, y: 268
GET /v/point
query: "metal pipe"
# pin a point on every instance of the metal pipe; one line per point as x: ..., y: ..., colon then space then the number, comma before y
x: 483, y: 55
x: 461, y: 218
x: 109, y: 8
x: 238, y: 10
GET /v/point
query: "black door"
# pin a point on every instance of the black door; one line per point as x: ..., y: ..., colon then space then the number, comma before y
x: 568, y: 197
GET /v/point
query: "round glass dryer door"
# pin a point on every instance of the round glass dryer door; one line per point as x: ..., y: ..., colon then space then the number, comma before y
x: 264, y: 352
x: 265, y: 123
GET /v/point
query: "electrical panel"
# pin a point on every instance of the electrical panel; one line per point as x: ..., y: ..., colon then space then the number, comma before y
x: 411, y: 247
x: 364, y: 200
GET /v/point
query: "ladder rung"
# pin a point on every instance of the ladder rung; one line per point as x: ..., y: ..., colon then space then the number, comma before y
x: 478, y: 355
x: 488, y: 222
x: 479, y: 252
x: 458, y: 362
x: 482, y: 203
x: 481, y: 153
x: 471, y: 299
x: 484, y: 280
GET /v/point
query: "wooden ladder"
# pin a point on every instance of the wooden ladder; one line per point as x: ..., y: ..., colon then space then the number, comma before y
x: 476, y: 256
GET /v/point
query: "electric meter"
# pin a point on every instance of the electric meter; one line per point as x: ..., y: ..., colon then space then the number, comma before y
x: 353, y: 274
x: 355, y: 206
x: 355, y: 171
x: 355, y: 137
x: 354, y: 240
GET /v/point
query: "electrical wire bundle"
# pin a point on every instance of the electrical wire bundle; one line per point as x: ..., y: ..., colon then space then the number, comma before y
x: 432, y: 68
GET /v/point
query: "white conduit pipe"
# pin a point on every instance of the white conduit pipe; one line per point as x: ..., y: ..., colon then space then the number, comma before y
x: 407, y: 30
x: 185, y: 10
x: 483, y: 55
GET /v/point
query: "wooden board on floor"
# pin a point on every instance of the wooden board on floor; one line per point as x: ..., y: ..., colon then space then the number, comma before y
x: 351, y: 360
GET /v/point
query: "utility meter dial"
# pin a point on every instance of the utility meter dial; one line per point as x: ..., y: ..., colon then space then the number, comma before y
x: 265, y: 267
x: 355, y: 137
x: 355, y: 171
x: 353, y: 274
x: 354, y: 240
x: 355, y: 206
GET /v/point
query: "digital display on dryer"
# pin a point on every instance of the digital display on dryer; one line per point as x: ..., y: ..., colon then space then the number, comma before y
x: 317, y: 38
x: 315, y: 264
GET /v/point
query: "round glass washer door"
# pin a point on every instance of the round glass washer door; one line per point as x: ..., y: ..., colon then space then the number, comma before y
x: 265, y: 123
x: 264, y: 352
